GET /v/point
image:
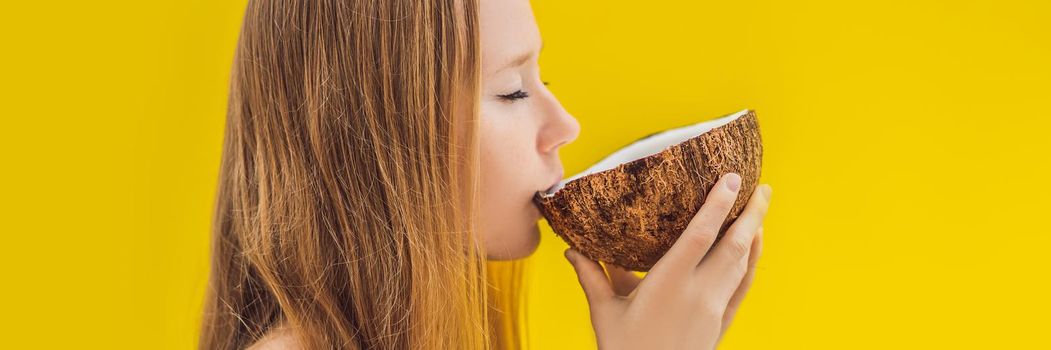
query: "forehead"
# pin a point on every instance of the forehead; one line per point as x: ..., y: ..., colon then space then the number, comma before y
x: 508, y: 30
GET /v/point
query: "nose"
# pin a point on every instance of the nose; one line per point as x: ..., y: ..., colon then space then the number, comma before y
x: 560, y: 127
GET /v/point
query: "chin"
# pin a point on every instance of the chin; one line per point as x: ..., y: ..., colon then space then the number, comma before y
x: 515, y: 245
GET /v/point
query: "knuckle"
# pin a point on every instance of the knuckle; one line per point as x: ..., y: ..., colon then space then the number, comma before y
x: 724, y: 203
x: 740, y: 268
x: 738, y: 247
x: 699, y: 239
x: 710, y: 310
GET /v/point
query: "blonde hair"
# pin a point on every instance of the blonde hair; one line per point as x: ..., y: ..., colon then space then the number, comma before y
x: 348, y: 192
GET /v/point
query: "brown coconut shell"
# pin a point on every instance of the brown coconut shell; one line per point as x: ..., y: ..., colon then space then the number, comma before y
x: 631, y: 215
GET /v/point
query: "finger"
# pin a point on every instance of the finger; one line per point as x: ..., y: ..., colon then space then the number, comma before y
x: 592, y: 279
x: 624, y: 281
x: 746, y: 283
x: 727, y: 264
x: 700, y: 233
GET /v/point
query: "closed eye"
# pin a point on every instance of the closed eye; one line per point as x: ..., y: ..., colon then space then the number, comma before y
x: 517, y: 95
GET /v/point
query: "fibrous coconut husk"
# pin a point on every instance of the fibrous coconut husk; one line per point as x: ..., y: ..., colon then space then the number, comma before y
x: 631, y: 214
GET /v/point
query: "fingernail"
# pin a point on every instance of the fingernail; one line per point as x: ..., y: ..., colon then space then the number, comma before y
x: 733, y: 181
x: 766, y: 190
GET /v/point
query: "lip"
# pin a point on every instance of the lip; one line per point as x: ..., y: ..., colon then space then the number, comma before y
x: 558, y: 178
x: 535, y: 210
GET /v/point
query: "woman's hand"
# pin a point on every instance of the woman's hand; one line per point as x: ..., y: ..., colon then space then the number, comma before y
x: 689, y: 297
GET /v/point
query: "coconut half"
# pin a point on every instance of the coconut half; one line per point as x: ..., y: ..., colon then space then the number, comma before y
x: 630, y: 207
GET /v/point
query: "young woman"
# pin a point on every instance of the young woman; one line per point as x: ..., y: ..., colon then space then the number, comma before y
x: 380, y: 154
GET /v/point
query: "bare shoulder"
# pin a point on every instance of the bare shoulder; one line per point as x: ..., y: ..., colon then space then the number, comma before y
x: 278, y: 338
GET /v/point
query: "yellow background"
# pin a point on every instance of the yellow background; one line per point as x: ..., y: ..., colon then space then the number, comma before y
x: 906, y: 142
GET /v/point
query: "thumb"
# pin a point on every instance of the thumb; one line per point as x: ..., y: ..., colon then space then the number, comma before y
x: 624, y: 281
x: 592, y: 279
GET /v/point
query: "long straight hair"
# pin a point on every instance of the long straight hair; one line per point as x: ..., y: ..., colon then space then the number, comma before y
x: 348, y: 191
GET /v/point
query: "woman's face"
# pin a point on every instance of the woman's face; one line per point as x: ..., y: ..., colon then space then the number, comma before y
x: 522, y: 127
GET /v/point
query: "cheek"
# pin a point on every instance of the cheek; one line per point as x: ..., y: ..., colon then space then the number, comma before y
x: 508, y: 218
x: 506, y: 172
x: 509, y: 163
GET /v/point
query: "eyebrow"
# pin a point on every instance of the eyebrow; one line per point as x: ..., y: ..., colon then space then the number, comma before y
x: 521, y: 58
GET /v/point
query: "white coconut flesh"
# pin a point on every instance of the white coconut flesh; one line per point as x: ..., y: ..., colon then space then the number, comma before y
x: 648, y: 146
